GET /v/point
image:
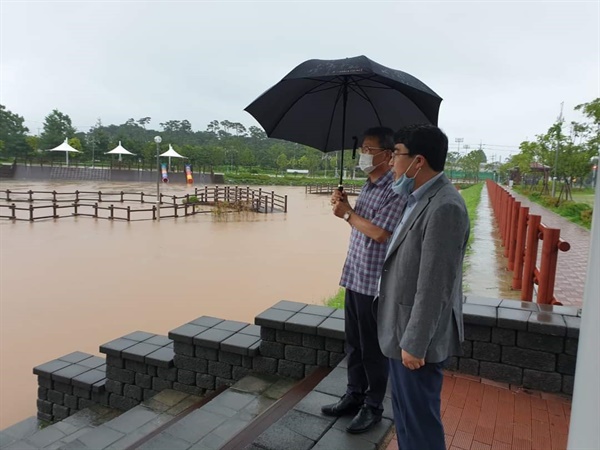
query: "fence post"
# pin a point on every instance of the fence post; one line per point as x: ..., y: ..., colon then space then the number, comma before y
x: 77, y: 195
x: 517, y: 280
x: 31, y: 213
x: 507, y: 223
x: 99, y: 196
x: 285, y: 203
x: 96, y: 210
x: 176, y: 208
x: 8, y: 195
x: 111, y: 208
x: 142, y: 197
x: 531, y: 247
x: 272, y: 200
x: 512, y: 239
x: 128, y: 213
x: 549, y: 260
x: 53, y: 196
x: 14, y: 211
x: 121, y: 196
x: 54, y: 207
x: 75, y: 209
x: 153, y: 212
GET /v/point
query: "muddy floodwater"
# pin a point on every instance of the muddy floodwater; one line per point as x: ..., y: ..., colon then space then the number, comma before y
x: 75, y: 283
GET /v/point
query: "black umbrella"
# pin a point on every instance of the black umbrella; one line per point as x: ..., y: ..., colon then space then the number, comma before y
x: 323, y: 103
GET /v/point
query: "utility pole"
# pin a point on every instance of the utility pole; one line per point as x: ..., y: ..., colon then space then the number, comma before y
x: 458, y: 142
x: 559, y: 120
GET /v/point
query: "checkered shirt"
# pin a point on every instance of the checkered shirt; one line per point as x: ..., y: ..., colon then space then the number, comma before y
x: 380, y: 205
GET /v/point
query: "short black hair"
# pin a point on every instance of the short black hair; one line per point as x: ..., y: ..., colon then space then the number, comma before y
x: 385, y: 136
x: 425, y: 140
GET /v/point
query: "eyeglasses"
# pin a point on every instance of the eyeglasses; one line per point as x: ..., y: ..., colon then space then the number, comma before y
x: 394, y: 154
x: 369, y: 150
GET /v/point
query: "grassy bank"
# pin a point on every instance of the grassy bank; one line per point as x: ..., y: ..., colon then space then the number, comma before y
x: 579, y: 212
x: 472, y: 196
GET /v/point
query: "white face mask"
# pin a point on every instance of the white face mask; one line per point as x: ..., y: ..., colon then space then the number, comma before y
x: 365, y: 163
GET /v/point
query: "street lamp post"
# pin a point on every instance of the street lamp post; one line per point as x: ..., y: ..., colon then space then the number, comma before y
x: 158, y: 140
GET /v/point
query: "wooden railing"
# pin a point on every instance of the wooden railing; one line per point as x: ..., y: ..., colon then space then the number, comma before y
x: 521, y: 233
x: 86, y: 203
x: 350, y: 189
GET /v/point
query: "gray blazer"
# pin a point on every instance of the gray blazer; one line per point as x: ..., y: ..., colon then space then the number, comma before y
x: 420, y: 296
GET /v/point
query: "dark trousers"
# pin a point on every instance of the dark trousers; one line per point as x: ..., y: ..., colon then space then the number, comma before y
x: 416, y: 398
x: 367, y: 367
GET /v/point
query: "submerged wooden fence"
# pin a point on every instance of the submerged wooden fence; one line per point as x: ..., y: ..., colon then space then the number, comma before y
x: 88, y: 203
x: 350, y: 189
x: 521, y: 233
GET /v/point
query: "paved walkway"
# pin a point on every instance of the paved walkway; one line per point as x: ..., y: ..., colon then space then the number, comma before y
x: 480, y: 414
x: 572, y: 265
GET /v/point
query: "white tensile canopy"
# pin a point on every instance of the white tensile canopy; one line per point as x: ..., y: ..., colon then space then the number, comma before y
x: 64, y: 147
x: 171, y: 153
x: 119, y: 150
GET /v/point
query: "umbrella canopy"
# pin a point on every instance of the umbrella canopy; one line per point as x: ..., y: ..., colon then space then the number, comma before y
x: 171, y: 153
x: 64, y: 147
x: 325, y: 103
x: 119, y: 150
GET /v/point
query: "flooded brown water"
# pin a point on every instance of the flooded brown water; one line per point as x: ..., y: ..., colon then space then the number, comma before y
x: 75, y: 283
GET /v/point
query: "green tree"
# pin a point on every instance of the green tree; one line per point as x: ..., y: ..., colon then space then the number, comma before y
x: 13, y: 133
x: 282, y: 162
x: 57, y: 127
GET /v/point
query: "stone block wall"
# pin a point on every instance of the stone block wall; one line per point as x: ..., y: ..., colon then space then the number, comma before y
x: 520, y: 343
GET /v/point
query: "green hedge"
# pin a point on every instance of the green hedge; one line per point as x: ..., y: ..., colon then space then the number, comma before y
x: 579, y: 213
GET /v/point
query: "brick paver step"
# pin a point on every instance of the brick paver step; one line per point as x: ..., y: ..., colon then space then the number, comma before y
x: 29, y: 434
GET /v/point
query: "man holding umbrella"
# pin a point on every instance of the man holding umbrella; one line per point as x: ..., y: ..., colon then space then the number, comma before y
x: 373, y: 220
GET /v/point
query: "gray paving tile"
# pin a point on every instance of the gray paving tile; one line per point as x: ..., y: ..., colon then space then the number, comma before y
x: 230, y: 428
x: 207, y: 321
x: 210, y: 442
x: 165, y: 441
x: 231, y: 325
x: 289, y: 306
x: 318, y: 310
x: 335, y: 383
x: 273, y: 318
x: 279, y: 437
x: 93, y: 362
x: 87, y: 379
x: 170, y: 397
x: 212, y: 338
x: 307, y: 425
x: 115, y: 346
x: 6, y: 439
x: 161, y: 341
x: 479, y: 315
x: 483, y: 301
x: 23, y: 428
x: 252, y: 330
x: 139, y: 336
x: 47, y: 369
x: 100, y: 437
x: 515, y: 304
x: 195, y: 426
x: 303, y: 323
x: 20, y: 445
x: 254, y: 408
x: 45, y: 437
x: 132, y: 419
x: 332, y: 328
x: 232, y: 399
x: 66, y: 374
x: 139, y: 433
x: 75, y: 357
x: 163, y: 357
x: 255, y: 383
x: 139, y: 351
x: 338, y: 314
x: 311, y: 404
x: 338, y: 439
x: 239, y: 343
x: 185, y: 333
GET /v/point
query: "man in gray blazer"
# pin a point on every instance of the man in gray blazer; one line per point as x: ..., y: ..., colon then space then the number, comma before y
x: 420, y: 294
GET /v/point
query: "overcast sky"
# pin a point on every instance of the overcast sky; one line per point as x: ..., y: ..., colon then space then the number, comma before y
x: 502, y: 68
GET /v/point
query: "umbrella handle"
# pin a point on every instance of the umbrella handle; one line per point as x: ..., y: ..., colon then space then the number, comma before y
x: 340, y: 188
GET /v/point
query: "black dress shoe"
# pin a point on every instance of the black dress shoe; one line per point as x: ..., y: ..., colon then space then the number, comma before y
x: 347, y: 405
x: 364, y: 420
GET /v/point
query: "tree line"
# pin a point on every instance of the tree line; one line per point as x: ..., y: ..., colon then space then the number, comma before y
x: 568, y: 152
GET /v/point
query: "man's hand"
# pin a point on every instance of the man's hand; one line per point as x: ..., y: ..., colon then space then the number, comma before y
x: 339, y: 203
x: 411, y: 362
